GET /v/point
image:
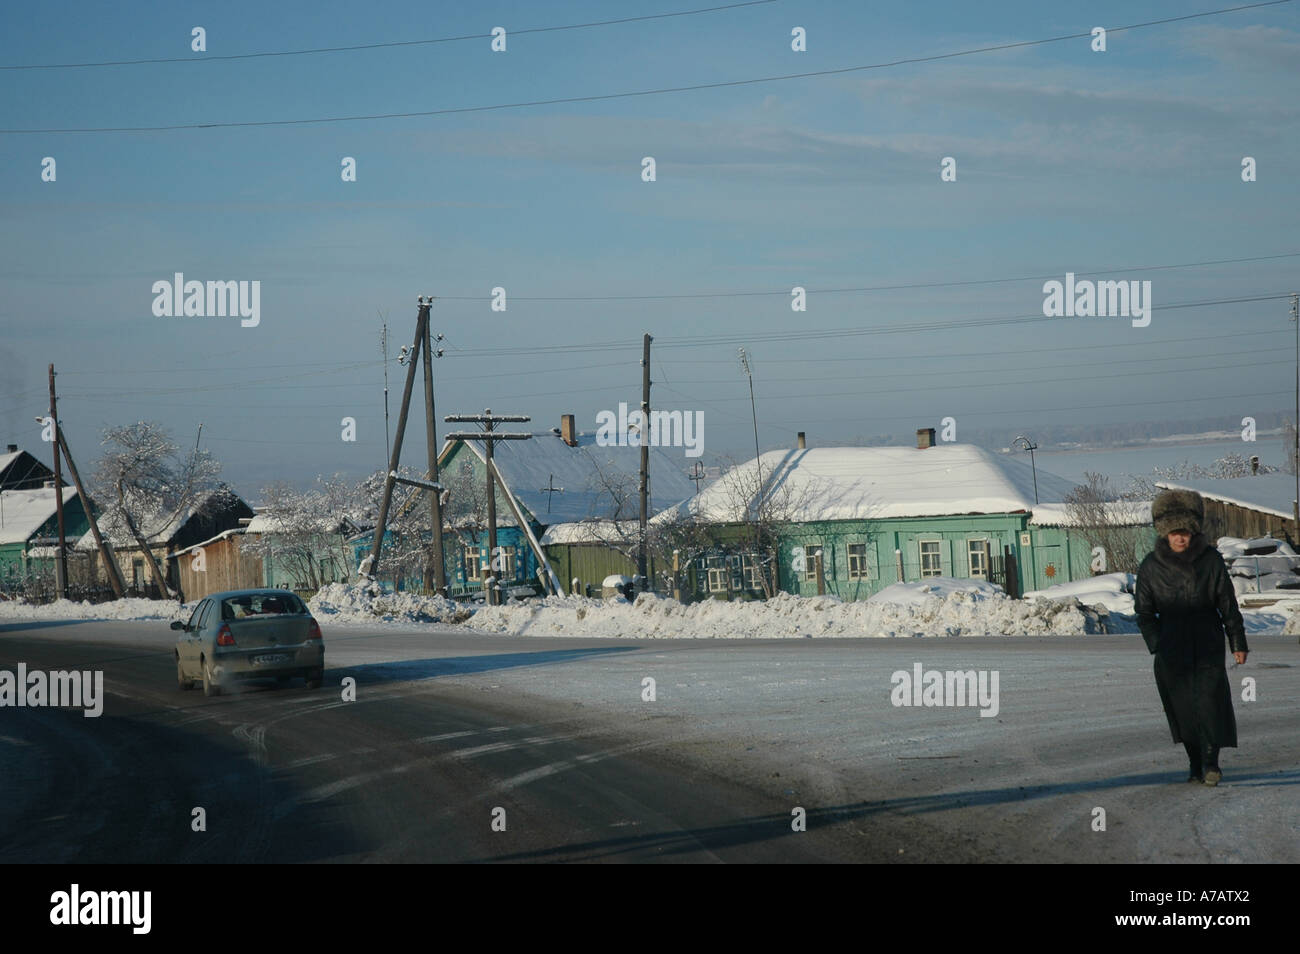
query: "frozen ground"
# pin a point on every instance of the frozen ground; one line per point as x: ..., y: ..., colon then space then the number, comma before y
x: 1078, y: 727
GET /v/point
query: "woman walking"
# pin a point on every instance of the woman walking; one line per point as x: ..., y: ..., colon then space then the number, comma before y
x: 1184, y: 604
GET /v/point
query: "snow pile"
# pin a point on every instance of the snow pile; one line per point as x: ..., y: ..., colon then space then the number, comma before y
x: 910, y: 594
x: 129, y: 608
x: 366, y: 602
x: 1260, y: 564
x: 1112, y: 591
x: 961, y: 611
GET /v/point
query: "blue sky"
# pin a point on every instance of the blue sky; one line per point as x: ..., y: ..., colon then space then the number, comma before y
x: 1068, y: 160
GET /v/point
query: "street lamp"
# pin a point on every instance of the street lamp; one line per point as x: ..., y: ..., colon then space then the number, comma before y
x: 1031, y: 447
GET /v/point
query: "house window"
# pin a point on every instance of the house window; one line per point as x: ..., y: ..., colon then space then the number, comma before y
x: 505, y: 562
x: 471, y: 564
x: 931, y: 562
x: 810, y: 551
x: 715, y: 574
x: 979, y: 564
x: 860, y: 561
x: 752, y: 571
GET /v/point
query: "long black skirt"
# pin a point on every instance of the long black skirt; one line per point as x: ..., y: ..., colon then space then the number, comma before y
x: 1197, y: 699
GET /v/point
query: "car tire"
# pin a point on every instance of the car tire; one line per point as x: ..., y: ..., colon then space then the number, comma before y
x: 181, y: 681
x: 315, y: 679
x: 210, y: 688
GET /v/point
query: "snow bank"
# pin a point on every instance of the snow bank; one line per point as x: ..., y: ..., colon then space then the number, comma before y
x: 959, y: 612
x: 1112, y: 591
x: 911, y: 594
x: 366, y: 602
x: 129, y: 608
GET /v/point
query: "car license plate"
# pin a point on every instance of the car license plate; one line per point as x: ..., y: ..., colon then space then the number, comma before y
x: 269, y: 659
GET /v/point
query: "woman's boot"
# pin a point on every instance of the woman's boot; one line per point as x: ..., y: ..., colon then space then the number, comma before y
x: 1194, y: 773
x: 1210, y: 759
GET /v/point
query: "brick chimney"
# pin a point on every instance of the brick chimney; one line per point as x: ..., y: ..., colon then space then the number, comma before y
x: 924, y: 437
x: 568, y: 431
x: 802, y: 443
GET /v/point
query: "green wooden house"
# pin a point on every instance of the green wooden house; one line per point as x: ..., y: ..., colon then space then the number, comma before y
x: 850, y: 521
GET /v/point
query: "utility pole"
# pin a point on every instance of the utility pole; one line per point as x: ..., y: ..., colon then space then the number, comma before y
x: 383, y: 347
x: 111, y: 569
x: 61, y: 555
x: 489, y: 436
x: 376, y: 548
x: 434, y: 566
x: 1295, y: 421
x: 645, y: 458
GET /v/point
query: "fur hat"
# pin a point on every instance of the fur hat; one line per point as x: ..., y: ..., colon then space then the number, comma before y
x: 1178, y: 510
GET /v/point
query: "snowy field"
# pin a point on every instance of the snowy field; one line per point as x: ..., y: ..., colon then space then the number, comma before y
x: 940, y: 607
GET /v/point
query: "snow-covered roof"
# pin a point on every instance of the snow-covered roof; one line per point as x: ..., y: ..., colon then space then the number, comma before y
x: 592, y: 531
x: 1125, y: 513
x: 859, y: 483
x: 22, y: 512
x: 158, y: 528
x: 266, y: 522
x: 1267, y: 493
x: 529, y: 466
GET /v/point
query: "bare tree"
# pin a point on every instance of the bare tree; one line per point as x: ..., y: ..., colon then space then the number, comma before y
x: 153, y: 487
x: 749, y: 508
x: 1107, y: 520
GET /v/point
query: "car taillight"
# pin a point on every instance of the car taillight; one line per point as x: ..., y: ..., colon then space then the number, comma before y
x: 224, y: 636
x: 313, y: 630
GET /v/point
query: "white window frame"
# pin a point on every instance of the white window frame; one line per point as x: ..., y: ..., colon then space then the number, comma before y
x: 472, y: 570
x: 810, y: 559
x: 752, y: 572
x: 985, y: 557
x: 921, y: 555
x: 868, y: 569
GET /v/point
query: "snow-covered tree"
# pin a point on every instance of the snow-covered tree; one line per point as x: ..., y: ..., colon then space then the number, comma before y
x: 406, y: 548
x: 151, y: 487
x: 305, y: 527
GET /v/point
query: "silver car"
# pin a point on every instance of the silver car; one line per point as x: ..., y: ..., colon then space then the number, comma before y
x: 248, y: 634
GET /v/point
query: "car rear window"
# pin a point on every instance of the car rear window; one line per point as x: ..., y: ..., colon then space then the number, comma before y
x: 261, y: 604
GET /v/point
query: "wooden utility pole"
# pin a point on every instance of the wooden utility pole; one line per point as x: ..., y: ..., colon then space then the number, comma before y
x: 489, y: 435
x: 645, y: 459
x: 111, y: 569
x: 433, y: 571
x: 377, y: 547
x: 61, y: 555
x: 433, y: 567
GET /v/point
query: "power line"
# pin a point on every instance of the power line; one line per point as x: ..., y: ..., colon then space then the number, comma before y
x: 784, y: 292
x: 382, y: 46
x: 689, y: 341
x: 601, y: 97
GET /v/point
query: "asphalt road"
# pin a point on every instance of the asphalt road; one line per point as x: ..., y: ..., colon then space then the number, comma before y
x: 449, y: 727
